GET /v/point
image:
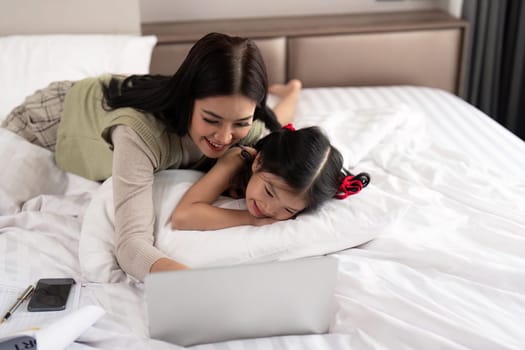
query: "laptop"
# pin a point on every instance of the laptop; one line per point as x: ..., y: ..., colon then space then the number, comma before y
x: 208, y: 305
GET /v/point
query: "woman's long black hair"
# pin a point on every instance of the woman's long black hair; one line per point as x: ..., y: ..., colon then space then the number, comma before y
x: 306, y: 160
x: 216, y: 65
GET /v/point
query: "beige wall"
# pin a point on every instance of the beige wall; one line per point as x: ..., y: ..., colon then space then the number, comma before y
x: 69, y: 16
x: 179, y: 10
x: 125, y: 16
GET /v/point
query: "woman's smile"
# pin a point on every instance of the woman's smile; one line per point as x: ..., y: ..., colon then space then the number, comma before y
x: 215, y: 146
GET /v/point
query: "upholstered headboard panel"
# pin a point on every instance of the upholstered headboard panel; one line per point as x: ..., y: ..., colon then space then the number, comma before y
x: 411, y: 48
x: 417, y: 57
x: 167, y: 57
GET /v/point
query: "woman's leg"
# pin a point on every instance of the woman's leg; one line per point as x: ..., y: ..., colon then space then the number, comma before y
x: 37, y: 118
x: 288, y: 94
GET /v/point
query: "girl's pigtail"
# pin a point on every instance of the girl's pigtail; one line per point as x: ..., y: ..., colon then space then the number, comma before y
x: 351, y: 184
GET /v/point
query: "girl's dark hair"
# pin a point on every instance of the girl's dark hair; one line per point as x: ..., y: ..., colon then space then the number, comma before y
x: 216, y: 65
x: 306, y: 160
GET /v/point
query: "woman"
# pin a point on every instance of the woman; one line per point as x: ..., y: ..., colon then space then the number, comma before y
x: 130, y: 128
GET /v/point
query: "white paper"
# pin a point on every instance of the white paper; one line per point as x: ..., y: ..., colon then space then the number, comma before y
x: 65, y: 330
x: 23, y: 320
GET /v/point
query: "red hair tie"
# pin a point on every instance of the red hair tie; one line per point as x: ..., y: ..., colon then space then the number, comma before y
x: 351, y: 185
x: 289, y: 126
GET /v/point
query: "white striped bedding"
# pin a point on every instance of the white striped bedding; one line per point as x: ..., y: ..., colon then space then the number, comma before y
x: 451, y: 122
x: 451, y: 275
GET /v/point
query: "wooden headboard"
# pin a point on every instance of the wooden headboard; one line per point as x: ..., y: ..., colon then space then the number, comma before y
x: 424, y: 48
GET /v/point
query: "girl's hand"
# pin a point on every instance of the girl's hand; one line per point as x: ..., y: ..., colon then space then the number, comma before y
x: 240, y: 160
x: 237, y: 155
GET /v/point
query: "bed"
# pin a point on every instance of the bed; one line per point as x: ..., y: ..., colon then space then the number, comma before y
x: 430, y: 255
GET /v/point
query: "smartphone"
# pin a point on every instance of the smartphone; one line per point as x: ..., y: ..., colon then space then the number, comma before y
x: 50, y: 294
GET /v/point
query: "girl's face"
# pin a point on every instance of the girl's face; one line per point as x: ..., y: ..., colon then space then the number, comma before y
x: 268, y: 195
x: 219, y: 122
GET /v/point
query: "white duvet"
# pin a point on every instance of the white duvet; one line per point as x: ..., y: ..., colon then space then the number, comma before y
x: 447, y: 274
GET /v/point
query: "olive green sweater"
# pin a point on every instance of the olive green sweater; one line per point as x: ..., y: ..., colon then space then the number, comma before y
x: 84, y: 145
x: 130, y: 146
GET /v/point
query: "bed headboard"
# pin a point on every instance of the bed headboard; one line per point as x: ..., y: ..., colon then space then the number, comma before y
x: 423, y: 48
x: 417, y: 47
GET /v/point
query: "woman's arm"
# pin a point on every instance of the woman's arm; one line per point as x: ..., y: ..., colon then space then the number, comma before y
x: 133, y: 167
x: 196, y: 211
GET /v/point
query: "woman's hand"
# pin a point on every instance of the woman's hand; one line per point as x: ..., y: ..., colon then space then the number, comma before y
x: 166, y: 264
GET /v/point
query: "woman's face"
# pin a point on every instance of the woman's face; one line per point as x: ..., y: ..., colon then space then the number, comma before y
x: 219, y: 122
x: 268, y: 195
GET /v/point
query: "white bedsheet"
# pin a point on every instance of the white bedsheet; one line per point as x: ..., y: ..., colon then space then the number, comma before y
x: 450, y: 276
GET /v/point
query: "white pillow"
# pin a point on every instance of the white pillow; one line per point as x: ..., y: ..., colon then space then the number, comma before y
x: 355, y: 132
x: 29, y: 171
x: 338, y: 225
x: 31, y: 62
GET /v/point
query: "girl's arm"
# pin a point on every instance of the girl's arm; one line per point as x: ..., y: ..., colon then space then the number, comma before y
x: 196, y: 211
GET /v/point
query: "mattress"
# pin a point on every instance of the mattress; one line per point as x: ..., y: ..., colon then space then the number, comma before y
x: 451, y: 123
x: 449, y: 275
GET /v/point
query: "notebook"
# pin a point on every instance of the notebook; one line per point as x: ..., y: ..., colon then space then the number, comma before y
x: 210, y: 305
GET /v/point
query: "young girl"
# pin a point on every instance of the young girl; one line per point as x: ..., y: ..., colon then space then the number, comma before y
x: 130, y: 128
x: 289, y: 172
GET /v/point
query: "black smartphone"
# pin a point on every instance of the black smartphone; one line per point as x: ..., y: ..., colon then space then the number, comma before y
x: 50, y: 294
